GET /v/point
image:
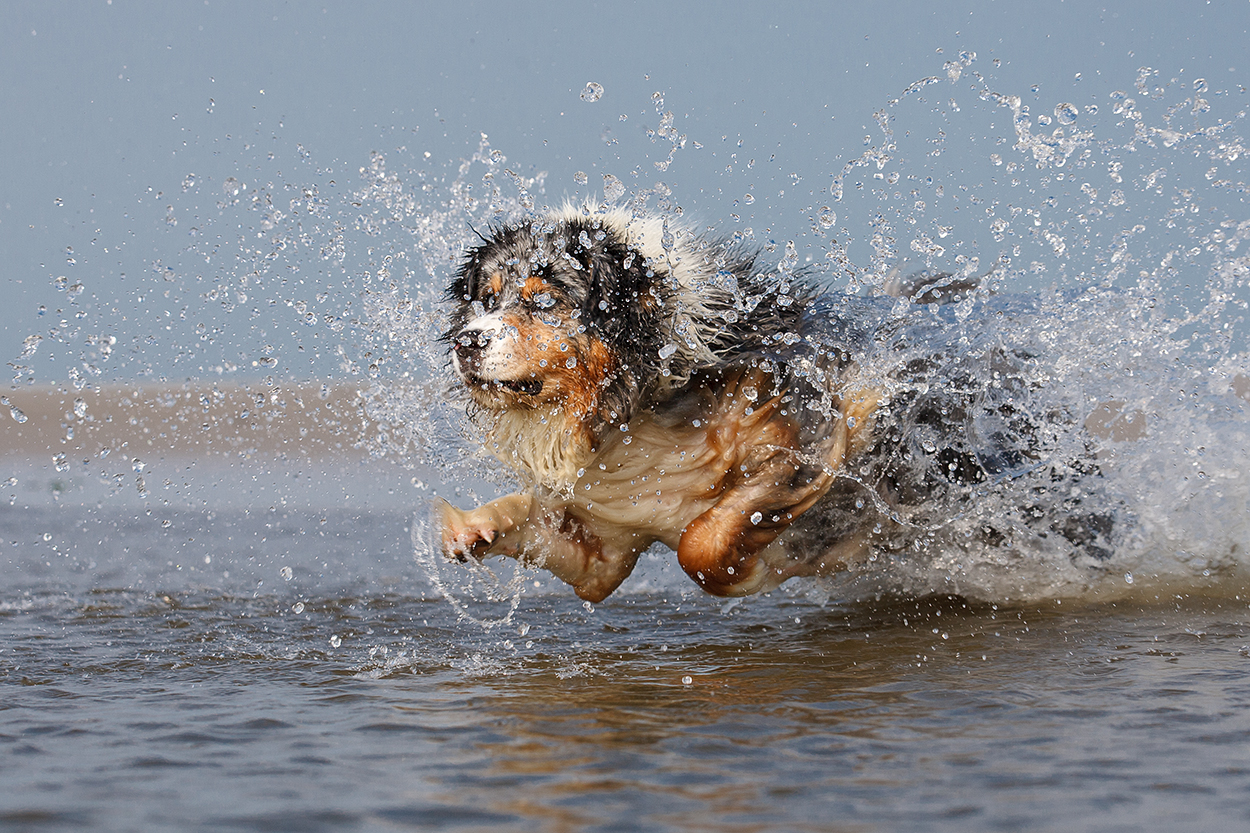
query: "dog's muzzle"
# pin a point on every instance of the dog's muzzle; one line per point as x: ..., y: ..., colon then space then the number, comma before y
x: 468, y: 349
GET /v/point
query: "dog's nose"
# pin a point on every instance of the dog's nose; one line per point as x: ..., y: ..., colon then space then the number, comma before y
x: 469, y: 346
x: 468, y: 342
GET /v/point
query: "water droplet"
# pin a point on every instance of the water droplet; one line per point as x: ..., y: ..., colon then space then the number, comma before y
x: 47, y: 536
x: 59, y: 462
x: 29, y: 345
x: 17, y: 414
x: 687, y: 680
x: 1066, y: 113
x: 287, y: 573
x: 570, y: 362
x: 580, y: 178
x: 613, y: 188
x: 188, y: 182
x: 231, y: 187
x: 297, y: 608
x: 1128, y: 578
x: 756, y: 517
x: 593, y: 92
x: 1200, y: 85
x: 336, y: 641
x: 138, y: 465
x: 668, y: 350
x: 828, y: 217
x: 80, y: 408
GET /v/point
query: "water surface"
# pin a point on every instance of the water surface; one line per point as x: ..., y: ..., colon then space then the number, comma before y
x: 147, y: 689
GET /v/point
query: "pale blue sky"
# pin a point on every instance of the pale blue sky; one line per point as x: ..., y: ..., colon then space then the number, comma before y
x: 108, y: 104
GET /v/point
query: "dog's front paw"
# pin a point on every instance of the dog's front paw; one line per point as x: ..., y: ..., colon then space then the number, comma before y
x: 467, y: 534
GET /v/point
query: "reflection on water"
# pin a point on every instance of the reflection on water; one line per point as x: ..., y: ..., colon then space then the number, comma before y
x: 876, y: 725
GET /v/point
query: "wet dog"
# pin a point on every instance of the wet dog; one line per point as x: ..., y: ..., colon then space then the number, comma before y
x: 647, y: 384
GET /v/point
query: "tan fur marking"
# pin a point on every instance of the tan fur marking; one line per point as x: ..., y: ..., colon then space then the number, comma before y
x: 534, y: 285
x: 770, y: 485
x: 583, y: 382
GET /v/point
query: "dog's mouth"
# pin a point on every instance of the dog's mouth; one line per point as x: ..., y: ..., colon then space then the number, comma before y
x: 524, y: 387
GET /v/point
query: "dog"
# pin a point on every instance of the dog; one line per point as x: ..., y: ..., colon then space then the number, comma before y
x: 650, y: 385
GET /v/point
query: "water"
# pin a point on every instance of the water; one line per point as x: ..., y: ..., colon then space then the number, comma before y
x: 220, y: 608
x: 141, y: 695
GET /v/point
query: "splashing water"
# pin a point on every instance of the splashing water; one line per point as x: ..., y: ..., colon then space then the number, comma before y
x: 592, y: 92
x: 1099, y: 328
x: 1096, y: 256
x: 483, y: 584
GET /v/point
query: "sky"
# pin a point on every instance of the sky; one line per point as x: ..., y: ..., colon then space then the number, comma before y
x: 124, y: 122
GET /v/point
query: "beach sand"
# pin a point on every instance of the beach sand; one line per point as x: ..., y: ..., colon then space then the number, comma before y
x: 192, y: 419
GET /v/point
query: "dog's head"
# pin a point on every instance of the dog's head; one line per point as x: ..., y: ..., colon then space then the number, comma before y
x: 558, y: 317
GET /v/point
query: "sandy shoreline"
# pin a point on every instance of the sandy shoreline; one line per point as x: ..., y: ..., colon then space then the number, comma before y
x: 308, y: 419
x: 193, y: 419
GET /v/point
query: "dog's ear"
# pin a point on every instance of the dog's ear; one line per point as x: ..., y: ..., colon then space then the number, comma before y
x: 626, y: 302
x: 625, y: 293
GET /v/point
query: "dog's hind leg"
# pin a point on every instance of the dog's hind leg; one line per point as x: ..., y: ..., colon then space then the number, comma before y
x: 775, y: 484
x: 720, y: 548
